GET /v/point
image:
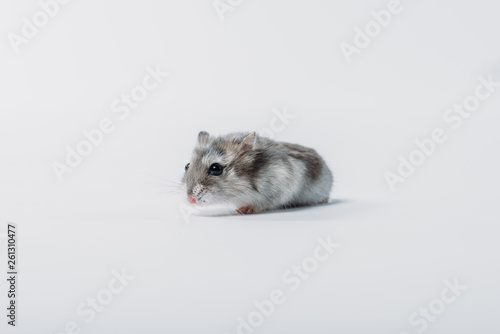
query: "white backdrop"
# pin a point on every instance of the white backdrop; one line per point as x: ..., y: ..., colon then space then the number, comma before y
x: 360, y: 81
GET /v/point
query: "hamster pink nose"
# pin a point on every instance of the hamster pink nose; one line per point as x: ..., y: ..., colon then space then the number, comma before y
x: 192, y: 200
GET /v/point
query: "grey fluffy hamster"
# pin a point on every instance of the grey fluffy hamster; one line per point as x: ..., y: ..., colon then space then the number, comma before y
x: 253, y: 174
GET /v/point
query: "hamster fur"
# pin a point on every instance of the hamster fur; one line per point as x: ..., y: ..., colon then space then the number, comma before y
x: 251, y: 174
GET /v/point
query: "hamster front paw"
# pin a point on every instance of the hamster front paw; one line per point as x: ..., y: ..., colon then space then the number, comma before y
x: 246, y: 210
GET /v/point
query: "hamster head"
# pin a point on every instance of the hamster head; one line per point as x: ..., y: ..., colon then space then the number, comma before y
x: 215, y: 174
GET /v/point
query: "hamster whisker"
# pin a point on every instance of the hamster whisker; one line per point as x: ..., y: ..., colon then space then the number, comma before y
x: 162, y: 179
x: 162, y: 184
x: 160, y: 188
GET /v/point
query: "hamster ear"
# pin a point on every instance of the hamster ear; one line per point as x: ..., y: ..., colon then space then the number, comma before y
x: 249, y: 141
x: 203, y: 137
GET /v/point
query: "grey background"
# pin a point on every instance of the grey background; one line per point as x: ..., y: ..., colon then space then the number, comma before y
x: 197, y: 275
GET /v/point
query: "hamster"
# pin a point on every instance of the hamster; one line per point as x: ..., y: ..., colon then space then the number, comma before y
x: 253, y: 174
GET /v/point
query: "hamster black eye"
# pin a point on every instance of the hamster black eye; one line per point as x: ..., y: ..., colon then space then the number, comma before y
x: 215, y: 169
x: 186, y: 167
